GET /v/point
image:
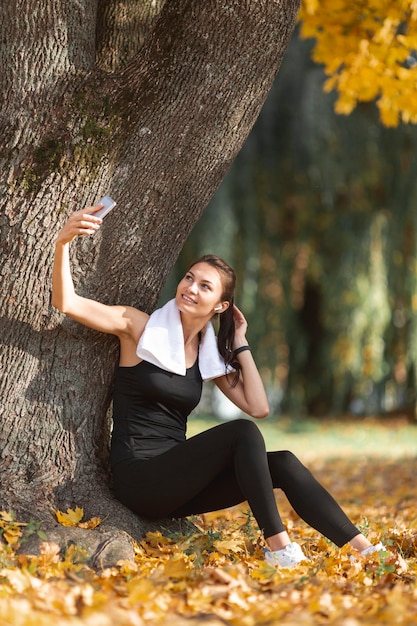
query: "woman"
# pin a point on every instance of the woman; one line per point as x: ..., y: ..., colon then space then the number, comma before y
x: 163, y: 362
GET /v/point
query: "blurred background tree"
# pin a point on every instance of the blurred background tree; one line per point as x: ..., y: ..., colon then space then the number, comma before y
x: 317, y: 216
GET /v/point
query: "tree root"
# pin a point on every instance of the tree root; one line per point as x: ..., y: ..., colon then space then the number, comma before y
x: 104, y: 546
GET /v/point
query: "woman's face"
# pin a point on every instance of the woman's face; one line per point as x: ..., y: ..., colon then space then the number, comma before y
x: 200, y: 291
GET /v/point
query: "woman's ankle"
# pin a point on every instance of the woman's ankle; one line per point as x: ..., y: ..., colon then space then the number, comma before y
x: 278, y: 542
x: 360, y: 543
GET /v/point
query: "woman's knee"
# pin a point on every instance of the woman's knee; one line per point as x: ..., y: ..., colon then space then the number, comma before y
x: 248, y: 429
x: 245, y: 430
x: 284, y: 464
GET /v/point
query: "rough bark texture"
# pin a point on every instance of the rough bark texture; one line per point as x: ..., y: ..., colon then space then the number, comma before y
x: 159, y: 134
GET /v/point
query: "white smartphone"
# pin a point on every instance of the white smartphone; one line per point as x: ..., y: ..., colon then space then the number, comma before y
x: 108, y: 203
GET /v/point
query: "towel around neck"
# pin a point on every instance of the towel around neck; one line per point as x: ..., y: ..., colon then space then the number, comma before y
x: 162, y: 344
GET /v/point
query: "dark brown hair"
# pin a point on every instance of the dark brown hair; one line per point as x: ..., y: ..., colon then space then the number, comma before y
x: 226, y: 333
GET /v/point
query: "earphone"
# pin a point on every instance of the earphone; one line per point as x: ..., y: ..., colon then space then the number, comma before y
x: 218, y: 308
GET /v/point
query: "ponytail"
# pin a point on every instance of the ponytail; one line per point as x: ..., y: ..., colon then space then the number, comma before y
x: 225, y: 341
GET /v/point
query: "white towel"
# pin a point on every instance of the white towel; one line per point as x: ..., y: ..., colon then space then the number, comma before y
x: 162, y: 344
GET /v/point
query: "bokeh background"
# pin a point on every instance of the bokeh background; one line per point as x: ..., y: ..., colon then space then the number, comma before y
x: 318, y: 217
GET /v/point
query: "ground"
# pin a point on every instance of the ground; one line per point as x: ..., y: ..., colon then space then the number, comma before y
x: 217, y: 576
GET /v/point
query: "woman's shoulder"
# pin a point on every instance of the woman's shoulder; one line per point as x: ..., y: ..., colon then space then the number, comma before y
x: 136, y: 321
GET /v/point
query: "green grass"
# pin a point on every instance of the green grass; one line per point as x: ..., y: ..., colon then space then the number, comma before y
x: 330, y: 438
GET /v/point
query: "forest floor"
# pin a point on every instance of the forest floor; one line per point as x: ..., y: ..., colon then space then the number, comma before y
x: 217, y: 576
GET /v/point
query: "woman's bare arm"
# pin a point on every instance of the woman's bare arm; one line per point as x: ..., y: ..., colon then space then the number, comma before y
x: 249, y: 393
x: 123, y: 321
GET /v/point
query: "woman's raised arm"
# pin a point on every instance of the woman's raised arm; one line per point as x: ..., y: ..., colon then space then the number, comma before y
x: 122, y: 321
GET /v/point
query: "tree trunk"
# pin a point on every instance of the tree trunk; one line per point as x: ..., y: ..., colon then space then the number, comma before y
x: 158, y: 130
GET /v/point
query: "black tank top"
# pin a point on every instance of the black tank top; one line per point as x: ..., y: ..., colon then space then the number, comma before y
x: 150, y: 409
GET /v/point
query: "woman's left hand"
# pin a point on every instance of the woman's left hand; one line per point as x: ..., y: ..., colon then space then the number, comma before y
x: 241, y: 326
x: 249, y: 393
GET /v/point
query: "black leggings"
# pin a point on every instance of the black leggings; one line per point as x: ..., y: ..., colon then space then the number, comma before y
x: 225, y: 466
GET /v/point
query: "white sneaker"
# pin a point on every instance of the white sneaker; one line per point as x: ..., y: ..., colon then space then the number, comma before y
x: 379, y: 547
x: 287, y: 557
x: 376, y: 548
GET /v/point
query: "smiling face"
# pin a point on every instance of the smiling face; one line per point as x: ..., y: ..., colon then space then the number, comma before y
x: 200, y: 291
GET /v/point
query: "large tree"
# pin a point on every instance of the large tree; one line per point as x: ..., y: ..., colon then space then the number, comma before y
x: 149, y: 101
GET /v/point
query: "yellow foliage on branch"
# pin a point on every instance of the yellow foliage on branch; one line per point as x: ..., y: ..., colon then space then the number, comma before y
x: 369, y: 51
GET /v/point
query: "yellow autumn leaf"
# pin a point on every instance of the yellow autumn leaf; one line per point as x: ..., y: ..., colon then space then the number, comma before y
x: 389, y: 116
x: 263, y: 574
x: 140, y: 590
x: 224, y: 546
x: 177, y: 567
x: 12, y: 535
x: 158, y: 543
x: 6, y: 516
x: 71, y: 518
x: 50, y: 552
x: 90, y: 524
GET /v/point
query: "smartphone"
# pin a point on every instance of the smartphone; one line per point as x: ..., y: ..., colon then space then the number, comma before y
x: 108, y: 203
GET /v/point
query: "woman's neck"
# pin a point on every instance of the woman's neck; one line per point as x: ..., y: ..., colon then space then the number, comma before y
x: 191, y: 329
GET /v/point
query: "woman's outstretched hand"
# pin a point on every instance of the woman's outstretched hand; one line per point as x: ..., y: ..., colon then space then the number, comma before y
x: 80, y: 223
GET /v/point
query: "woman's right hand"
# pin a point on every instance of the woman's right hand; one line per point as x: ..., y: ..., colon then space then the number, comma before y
x: 80, y: 223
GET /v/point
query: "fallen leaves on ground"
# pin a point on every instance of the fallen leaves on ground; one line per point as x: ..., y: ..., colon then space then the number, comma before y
x: 73, y: 518
x: 218, y: 575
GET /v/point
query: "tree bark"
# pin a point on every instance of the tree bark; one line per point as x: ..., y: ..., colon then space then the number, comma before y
x: 158, y: 130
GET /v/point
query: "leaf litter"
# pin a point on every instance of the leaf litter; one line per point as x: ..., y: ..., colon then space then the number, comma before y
x: 217, y: 575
